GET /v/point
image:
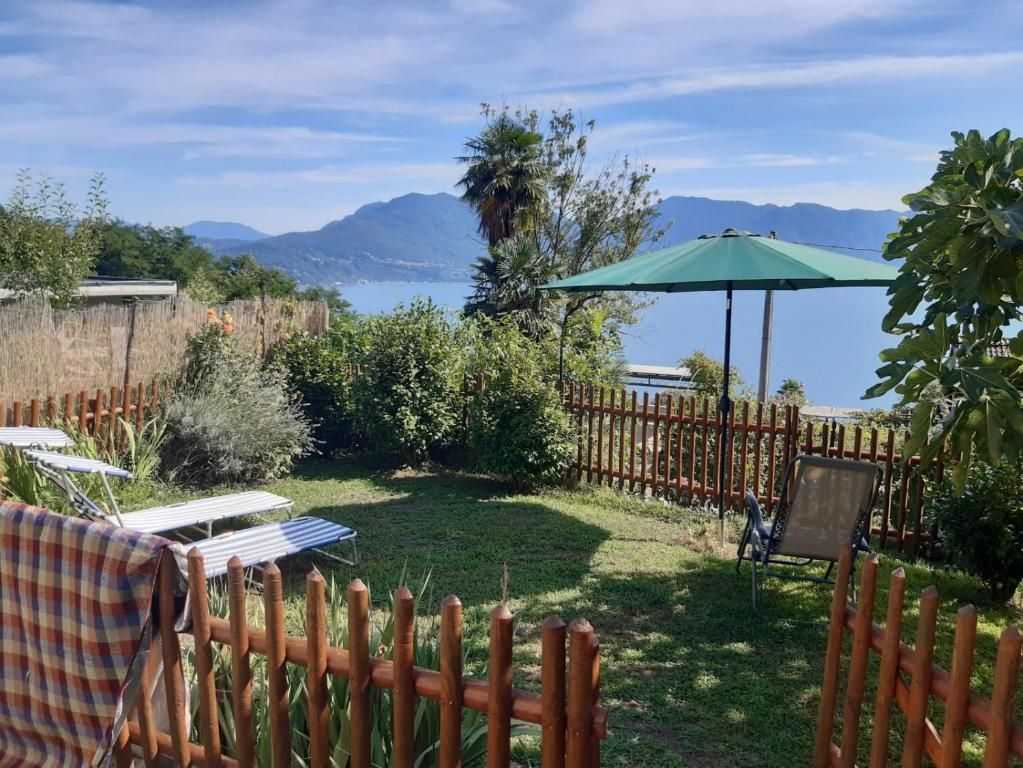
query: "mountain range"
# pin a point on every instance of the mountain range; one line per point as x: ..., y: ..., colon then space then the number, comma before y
x: 223, y: 230
x: 434, y: 238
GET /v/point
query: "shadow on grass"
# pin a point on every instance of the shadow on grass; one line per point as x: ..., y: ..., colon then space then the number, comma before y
x: 463, y: 531
x: 694, y: 676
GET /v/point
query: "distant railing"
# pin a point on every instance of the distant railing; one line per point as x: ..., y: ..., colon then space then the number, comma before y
x: 567, y: 707
x: 667, y: 446
x: 94, y: 413
x: 908, y: 679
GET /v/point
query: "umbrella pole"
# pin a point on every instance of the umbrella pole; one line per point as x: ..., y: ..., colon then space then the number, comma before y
x: 725, y: 406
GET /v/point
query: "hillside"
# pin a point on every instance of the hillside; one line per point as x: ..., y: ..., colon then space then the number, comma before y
x: 411, y: 238
x: 223, y: 230
x: 432, y: 238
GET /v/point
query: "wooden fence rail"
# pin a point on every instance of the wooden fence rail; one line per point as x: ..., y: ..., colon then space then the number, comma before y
x: 92, y: 412
x: 667, y: 446
x: 926, y: 682
x: 567, y: 708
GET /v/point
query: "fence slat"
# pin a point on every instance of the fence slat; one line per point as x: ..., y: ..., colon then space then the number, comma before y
x: 552, y: 692
x: 621, y: 445
x: 600, y: 437
x: 889, y: 670
x: 209, y: 725
x: 1003, y: 696
x: 832, y: 661
x: 632, y: 443
x: 642, y: 447
x: 403, y: 701
x: 316, y: 673
x: 144, y: 713
x: 692, y: 449
x: 241, y: 669
x: 499, y: 683
x: 276, y: 667
x: 959, y: 687
x: 655, y: 462
x: 666, y: 447
x: 589, y: 438
x: 858, y: 663
x: 771, y: 462
x: 580, y: 694
x: 358, y: 685
x: 920, y: 687
x: 450, y: 751
x: 704, y: 468
x: 173, y: 675
x: 889, y: 473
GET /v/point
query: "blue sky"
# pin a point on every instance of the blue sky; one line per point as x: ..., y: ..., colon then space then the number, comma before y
x: 287, y: 115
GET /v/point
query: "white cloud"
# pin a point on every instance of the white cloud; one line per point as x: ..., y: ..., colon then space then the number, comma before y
x: 678, y: 163
x: 438, y: 175
x: 199, y: 140
x: 868, y: 69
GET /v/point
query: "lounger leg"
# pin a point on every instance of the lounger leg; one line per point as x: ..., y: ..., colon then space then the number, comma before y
x: 355, y: 555
x: 753, y: 580
x: 742, y: 545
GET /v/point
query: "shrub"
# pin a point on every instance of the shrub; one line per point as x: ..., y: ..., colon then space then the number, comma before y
x: 408, y: 394
x: 230, y: 421
x: 518, y: 428
x: 983, y: 526
x: 317, y: 368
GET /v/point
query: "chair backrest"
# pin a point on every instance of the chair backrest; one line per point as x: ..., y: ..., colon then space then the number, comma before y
x: 831, y: 501
x: 58, y: 467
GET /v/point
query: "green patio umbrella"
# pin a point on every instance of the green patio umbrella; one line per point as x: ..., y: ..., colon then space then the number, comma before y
x: 731, y: 261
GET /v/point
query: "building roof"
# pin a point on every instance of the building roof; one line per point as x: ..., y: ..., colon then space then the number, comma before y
x: 113, y: 288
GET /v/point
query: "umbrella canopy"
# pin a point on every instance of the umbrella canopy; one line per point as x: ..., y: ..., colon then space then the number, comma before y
x: 740, y: 260
x: 731, y: 261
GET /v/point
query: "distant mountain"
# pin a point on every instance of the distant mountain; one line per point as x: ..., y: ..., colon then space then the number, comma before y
x: 412, y: 238
x: 433, y: 238
x: 803, y: 222
x: 223, y: 230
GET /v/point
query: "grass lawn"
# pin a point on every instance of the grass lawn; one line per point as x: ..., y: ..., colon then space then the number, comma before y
x: 692, y: 675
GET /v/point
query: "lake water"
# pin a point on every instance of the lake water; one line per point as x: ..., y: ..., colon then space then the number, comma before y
x: 829, y: 338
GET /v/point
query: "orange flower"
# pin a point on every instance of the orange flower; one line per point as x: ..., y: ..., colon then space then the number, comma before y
x: 211, y: 315
x: 228, y: 328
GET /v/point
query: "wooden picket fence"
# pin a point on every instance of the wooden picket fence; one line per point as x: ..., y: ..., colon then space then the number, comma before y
x: 94, y: 413
x: 926, y: 681
x: 667, y: 446
x: 568, y: 709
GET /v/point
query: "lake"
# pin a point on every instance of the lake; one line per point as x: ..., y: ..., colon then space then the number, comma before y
x: 829, y: 338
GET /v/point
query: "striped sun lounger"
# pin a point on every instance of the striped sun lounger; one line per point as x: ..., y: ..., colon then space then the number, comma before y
x: 256, y: 545
x: 271, y: 541
x: 34, y: 437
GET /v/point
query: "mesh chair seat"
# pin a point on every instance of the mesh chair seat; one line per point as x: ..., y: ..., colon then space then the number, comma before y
x: 825, y: 507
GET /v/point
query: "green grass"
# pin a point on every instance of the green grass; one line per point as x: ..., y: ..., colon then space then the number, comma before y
x: 692, y: 676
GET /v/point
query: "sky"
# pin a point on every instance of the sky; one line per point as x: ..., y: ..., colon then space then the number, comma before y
x: 287, y: 115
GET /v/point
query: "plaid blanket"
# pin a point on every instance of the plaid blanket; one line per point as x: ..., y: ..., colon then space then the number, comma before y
x: 75, y: 600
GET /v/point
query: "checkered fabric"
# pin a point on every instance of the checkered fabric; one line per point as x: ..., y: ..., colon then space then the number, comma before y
x: 75, y: 598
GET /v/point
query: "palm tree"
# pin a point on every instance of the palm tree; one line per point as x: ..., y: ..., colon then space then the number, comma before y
x: 506, y: 283
x: 506, y: 176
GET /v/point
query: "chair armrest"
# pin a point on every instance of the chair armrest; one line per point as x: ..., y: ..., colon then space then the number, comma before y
x: 756, y: 518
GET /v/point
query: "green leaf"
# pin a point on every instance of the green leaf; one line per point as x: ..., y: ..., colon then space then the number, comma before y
x: 919, y: 427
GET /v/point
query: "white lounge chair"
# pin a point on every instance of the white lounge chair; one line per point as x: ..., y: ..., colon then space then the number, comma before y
x: 263, y: 543
x: 34, y: 437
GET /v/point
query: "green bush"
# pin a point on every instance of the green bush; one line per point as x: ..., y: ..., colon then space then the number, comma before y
x: 230, y: 420
x: 408, y: 395
x: 317, y: 368
x: 518, y: 428
x: 983, y: 526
